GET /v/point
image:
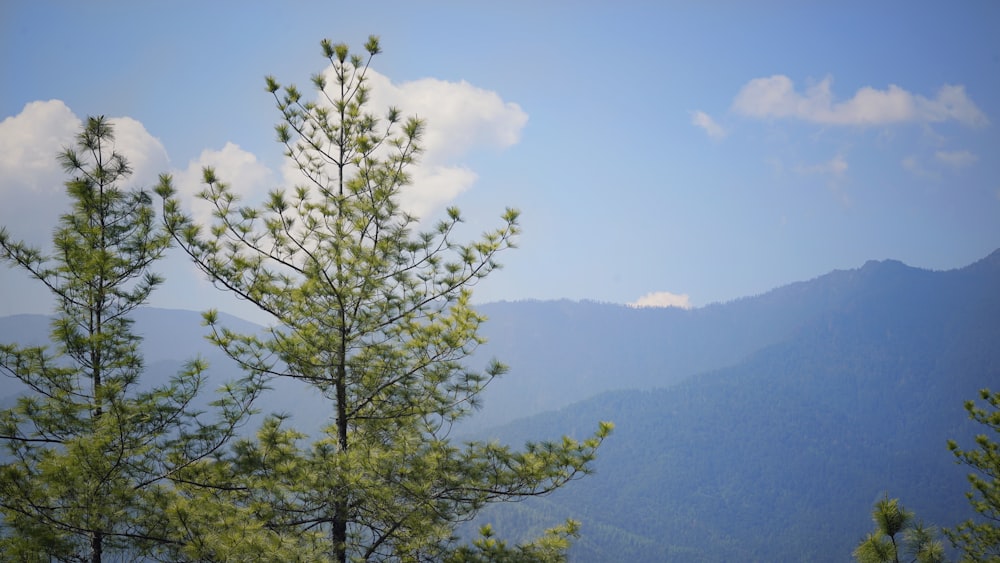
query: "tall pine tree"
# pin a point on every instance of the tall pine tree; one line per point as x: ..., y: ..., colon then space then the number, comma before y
x: 979, y: 539
x: 377, y: 318
x: 89, y: 447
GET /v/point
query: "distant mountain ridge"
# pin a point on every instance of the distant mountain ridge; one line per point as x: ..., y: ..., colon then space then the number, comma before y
x: 171, y: 339
x: 779, y: 457
x: 756, y: 430
x: 561, y: 352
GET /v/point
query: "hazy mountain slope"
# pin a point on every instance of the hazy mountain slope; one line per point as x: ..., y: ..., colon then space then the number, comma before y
x: 767, y: 426
x: 560, y: 352
x: 780, y: 457
x: 172, y: 338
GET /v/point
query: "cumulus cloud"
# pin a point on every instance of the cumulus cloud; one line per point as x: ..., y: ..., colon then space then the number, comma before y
x: 246, y: 176
x: 776, y: 97
x: 32, y: 182
x: 662, y: 299
x: 707, y: 124
x: 29, y: 144
x: 434, y: 186
x: 956, y: 159
x: 145, y: 153
x: 459, y: 118
x: 31, y: 178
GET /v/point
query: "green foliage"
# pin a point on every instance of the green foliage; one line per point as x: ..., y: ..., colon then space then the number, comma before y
x: 979, y: 539
x: 377, y: 318
x: 89, y: 450
x: 897, y: 534
x: 550, y: 548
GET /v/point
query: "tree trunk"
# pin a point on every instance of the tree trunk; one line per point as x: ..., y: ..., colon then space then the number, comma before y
x: 339, y: 532
x: 340, y: 516
x: 96, y: 547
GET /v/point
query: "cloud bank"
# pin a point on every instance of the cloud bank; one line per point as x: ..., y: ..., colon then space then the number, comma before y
x: 776, y: 97
x: 662, y: 299
x: 460, y: 118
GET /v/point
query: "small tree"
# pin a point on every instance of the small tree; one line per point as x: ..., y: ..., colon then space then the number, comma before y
x: 897, y: 534
x: 375, y: 317
x: 979, y: 539
x: 88, y: 451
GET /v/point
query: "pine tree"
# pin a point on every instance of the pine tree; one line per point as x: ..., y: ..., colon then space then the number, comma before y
x: 897, y: 535
x: 377, y: 318
x: 979, y: 539
x: 90, y: 447
x: 550, y: 548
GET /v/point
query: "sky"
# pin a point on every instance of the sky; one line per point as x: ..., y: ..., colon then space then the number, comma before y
x: 661, y: 153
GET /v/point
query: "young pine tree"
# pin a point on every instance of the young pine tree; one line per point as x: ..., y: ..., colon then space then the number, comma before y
x: 377, y: 318
x: 898, y: 538
x: 88, y: 448
x: 979, y: 540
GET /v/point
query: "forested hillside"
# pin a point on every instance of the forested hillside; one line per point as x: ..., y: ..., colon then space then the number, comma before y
x: 779, y: 457
x: 171, y: 339
x: 562, y: 351
x: 758, y: 430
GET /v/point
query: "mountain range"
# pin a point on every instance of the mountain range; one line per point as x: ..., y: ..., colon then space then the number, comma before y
x: 761, y: 429
x: 780, y: 455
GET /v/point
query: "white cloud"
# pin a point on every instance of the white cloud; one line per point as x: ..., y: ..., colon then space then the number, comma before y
x: 662, y: 299
x: 245, y: 175
x: 835, y: 167
x: 32, y: 189
x: 459, y: 118
x: 776, y: 97
x: 709, y: 125
x: 433, y: 186
x: 956, y: 159
x: 29, y: 144
x: 145, y: 153
x: 32, y: 182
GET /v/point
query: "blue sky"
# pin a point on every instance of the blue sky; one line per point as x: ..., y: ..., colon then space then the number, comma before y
x: 699, y: 151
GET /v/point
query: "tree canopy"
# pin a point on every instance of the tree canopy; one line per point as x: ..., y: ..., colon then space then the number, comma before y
x: 979, y: 539
x: 898, y: 537
x: 375, y: 315
x: 91, y: 448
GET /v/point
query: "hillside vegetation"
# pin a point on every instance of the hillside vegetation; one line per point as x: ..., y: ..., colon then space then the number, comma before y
x: 757, y: 430
x: 780, y: 456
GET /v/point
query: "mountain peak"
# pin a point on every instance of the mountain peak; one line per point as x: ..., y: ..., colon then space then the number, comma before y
x: 883, y: 265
